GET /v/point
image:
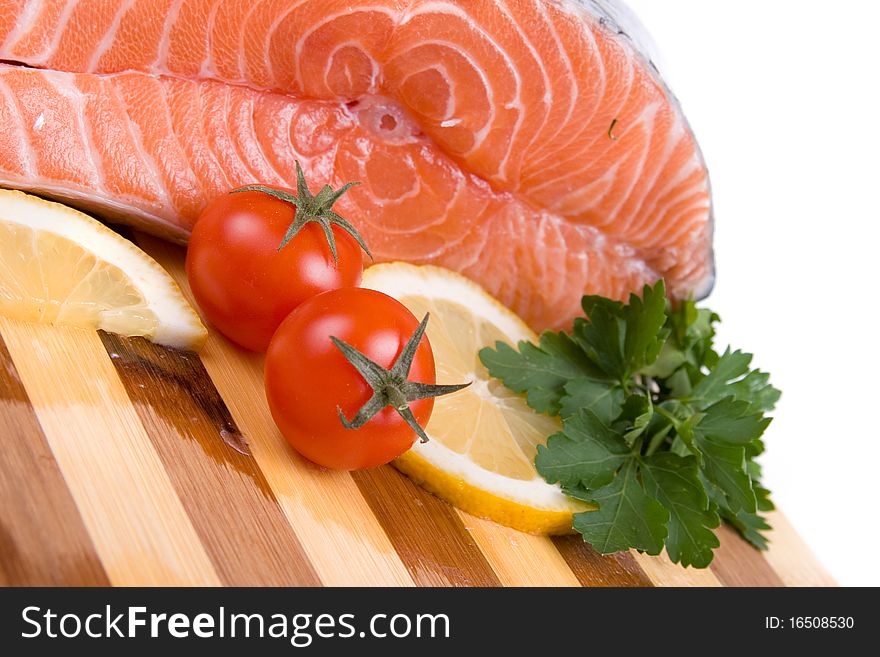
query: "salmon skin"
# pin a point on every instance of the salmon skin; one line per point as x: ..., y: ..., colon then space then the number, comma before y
x: 529, y: 144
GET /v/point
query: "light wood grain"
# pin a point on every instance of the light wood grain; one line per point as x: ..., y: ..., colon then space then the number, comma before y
x: 228, y: 500
x: 737, y: 563
x: 600, y: 570
x: 133, y: 515
x: 519, y: 559
x: 334, y: 524
x: 426, y: 532
x: 791, y: 558
x: 342, y: 538
x: 43, y: 541
x: 665, y: 573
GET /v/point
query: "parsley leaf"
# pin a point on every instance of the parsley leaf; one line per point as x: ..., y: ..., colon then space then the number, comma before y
x: 593, y: 463
x: 724, y: 465
x: 604, y: 399
x: 586, y: 453
x: 627, y: 516
x: 674, y: 481
x: 660, y: 432
x: 622, y: 339
x: 718, y: 438
x: 731, y: 377
x: 602, y: 341
x: 730, y: 421
x: 540, y: 371
x: 645, y: 333
x: 751, y: 526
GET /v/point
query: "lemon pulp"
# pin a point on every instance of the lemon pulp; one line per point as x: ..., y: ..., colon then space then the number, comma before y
x: 60, y: 266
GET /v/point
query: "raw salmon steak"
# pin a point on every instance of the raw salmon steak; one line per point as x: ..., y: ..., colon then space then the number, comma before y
x: 529, y: 144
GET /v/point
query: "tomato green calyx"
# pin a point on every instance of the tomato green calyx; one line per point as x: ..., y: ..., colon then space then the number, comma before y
x: 316, y: 208
x: 392, y: 387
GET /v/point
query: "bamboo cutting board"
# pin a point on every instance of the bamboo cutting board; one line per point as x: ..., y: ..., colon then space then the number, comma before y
x: 125, y: 463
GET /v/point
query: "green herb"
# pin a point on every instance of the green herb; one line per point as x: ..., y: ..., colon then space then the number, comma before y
x: 660, y: 432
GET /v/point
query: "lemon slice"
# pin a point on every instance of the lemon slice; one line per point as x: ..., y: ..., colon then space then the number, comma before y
x: 60, y: 266
x: 483, y: 439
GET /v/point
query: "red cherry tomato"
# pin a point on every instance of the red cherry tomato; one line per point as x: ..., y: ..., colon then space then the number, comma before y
x: 244, y: 285
x: 308, y: 378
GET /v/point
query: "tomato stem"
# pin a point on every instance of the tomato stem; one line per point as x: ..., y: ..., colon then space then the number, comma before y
x: 392, y: 387
x: 312, y: 208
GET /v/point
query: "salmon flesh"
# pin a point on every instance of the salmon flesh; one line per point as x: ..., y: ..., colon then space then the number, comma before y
x: 529, y: 144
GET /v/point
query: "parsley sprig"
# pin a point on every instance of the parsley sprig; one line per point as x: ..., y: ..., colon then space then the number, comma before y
x: 660, y: 432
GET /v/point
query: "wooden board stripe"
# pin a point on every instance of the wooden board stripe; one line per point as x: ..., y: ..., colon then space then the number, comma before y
x: 223, y: 490
x: 43, y: 541
x: 790, y: 557
x: 137, y: 524
x: 427, y: 533
x: 663, y: 572
x: 344, y: 541
x: 737, y: 563
x: 519, y: 559
x: 594, y: 569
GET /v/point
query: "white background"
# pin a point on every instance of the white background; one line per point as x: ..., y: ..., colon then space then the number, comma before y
x: 784, y: 96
